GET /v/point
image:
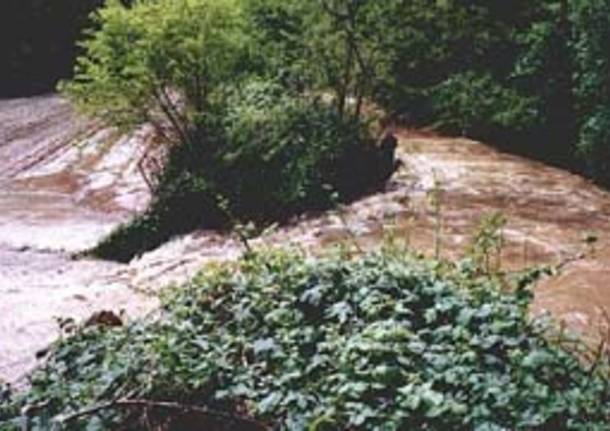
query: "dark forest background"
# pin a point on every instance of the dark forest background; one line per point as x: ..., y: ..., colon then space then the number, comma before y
x: 38, y: 42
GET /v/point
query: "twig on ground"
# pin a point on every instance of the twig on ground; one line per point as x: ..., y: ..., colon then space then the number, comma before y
x: 148, y: 404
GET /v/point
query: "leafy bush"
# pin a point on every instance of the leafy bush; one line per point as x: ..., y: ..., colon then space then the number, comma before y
x: 160, y: 61
x: 241, y: 150
x: 382, y: 341
x: 594, y: 143
x: 428, y: 43
x: 478, y: 106
x: 268, y: 155
x: 302, y: 150
x: 592, y: 64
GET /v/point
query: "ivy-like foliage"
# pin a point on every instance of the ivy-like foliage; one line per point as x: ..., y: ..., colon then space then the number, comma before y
x: 380, y: 342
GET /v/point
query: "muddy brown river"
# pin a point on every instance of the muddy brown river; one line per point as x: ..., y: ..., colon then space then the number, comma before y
x: 65, y: 182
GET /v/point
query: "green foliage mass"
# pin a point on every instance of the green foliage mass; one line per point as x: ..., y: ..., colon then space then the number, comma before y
x: 335, y: 46
x: 301, y: 149
x: 529, y: 76
x: 269, y: 154
x: 592, y: 68
x: 246, y: 142
x: 159, y: 61
x: 470, y: 103
x: 379, y: 342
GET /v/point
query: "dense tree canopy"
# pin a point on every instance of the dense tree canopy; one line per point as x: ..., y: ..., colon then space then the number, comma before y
x: 529, y: 76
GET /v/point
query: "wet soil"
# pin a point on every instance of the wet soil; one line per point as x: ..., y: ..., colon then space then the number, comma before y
x: 65, y: 182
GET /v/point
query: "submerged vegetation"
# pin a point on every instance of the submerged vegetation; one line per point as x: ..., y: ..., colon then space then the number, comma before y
x: 282, y: 341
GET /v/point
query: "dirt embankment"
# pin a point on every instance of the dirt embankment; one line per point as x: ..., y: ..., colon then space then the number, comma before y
x: 65, y: 182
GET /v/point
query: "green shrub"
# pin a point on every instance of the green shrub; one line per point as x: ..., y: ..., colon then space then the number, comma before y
x: 476, y: 105
x: 300, y: 150
x: 594, y: 144
x: 268, y: 155
x: 240, y: 151
x: 592, y: 68
x: 160, y: 61
x: 380, y: 342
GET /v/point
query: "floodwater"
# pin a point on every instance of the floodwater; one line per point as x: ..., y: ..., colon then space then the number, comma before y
x: 61, y: 189
x: 66, y: 182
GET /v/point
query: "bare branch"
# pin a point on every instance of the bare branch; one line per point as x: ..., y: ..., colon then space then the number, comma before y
x: 163, y: 405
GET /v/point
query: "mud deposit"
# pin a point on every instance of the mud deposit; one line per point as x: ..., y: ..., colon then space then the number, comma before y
x: 65, y: 182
